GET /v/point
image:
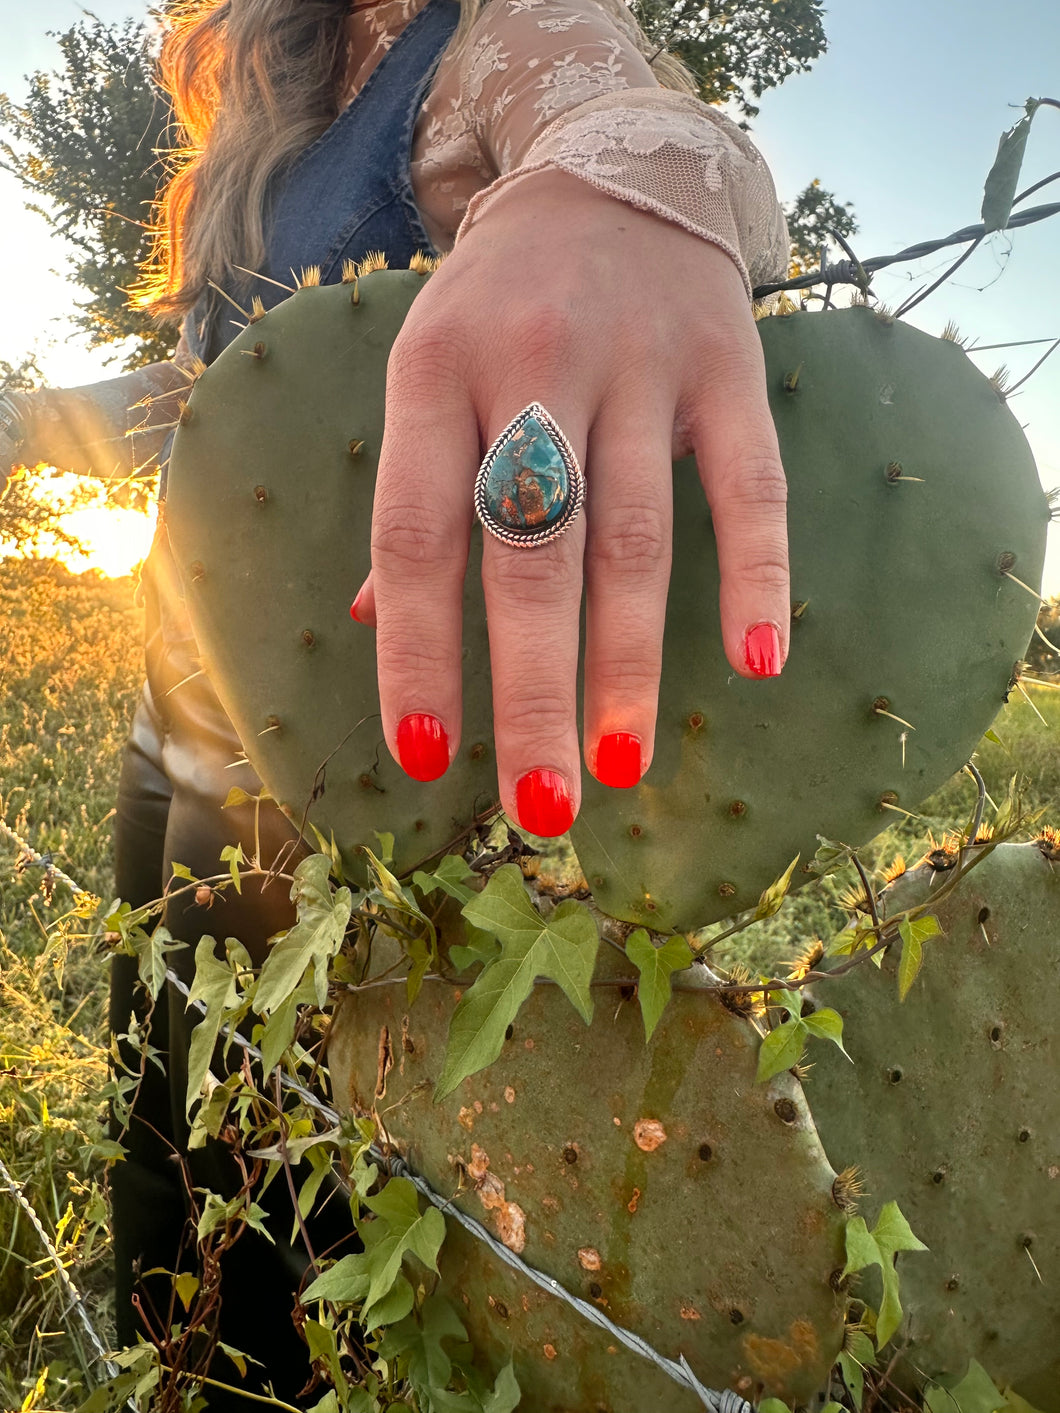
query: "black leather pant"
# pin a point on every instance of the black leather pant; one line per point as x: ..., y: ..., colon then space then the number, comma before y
x: 173, y: 783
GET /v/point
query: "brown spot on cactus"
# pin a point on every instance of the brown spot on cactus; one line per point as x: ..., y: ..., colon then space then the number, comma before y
x: 635, y: 831
x: 648, y: 1134
x: 589, y: 1258
x: 509, y: 1095
x: 499, y: 1308
x: 549, y: 1351
x: 466, y: 1118
x: 511, y: 1226
x: 261, y: 495
x: 785, y: 1111
x: 309, y: 637
x: 1023, y: 1136
x: 634, y: 1202
x: 726, y: 890
x: 477, y: 751
x: 705, y: 1152
x: 695, y: 722
x: 596, y: 1291
x: 775, y: 1360
x: 737, y: 808
x: 570, y: 1154
x: 689, y: 1312
x: 953, y: 1283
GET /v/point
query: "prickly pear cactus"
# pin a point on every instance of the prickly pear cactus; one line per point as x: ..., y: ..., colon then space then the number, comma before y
x: 951, y: 1108
x: 911, y: 490
x: 691, y: 1205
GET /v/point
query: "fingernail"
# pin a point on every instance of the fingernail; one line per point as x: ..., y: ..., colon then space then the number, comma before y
x: 353, y: 608
x: 543, y: 803
x: 618, y: 760
x: 761, y: 646
x: 422, y: 746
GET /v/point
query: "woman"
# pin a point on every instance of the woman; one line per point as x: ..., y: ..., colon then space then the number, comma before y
x: 601, y: 227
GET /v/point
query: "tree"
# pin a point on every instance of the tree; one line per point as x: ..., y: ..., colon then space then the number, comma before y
x: 85, y: 141
x: 812, y: 217
x: 737, y: 48
x: 84, y: 144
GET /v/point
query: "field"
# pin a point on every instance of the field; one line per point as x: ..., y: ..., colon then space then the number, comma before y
x: 70, y: 670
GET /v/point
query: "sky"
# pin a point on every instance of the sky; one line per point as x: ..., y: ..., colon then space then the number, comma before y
x: 900, y: 118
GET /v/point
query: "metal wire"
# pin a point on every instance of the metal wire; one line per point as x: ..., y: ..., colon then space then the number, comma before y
x: 852, y: 272
x: 724, y: 1401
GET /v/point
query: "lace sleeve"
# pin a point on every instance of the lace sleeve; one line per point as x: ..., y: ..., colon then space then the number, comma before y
x: 557, y: 83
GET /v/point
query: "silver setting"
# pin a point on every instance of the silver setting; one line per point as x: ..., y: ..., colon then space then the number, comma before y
x: 529, y: 539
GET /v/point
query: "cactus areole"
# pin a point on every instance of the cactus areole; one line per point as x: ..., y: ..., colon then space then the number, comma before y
x: 914, y: 505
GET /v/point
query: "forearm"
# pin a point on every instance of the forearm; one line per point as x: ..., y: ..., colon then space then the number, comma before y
x: 112, y: 429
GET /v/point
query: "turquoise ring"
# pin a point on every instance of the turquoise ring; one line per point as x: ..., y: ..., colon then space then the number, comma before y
x: 529, y: 488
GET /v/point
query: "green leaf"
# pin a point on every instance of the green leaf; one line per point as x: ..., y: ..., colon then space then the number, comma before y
x: 186, y: 1285
x: 232, y: 855
x: 656, y: 966
x: 180, y: 870
x: 392, y: 1306
x: 506, y: 1392
x: 975, y: 1393
x: 563, y: 948
x: 826, y: 1024
x: 833, y: 1407
x: 773, y: 1405
x: 829, y: 858
x: 429, y: 1366
x: 893, y: 1233
x: 152, y: 956
x: 913, y: 932
x: 781, y: 1049
x: 345, y: 1283
x: 772, y: 899
x: 481, y: 949
x: 861, y: 1247
x: 448, y: 876
x: 853, y: 1377
x: 1003, y: 177
x: 238, y: 796
x: 400, y: 1228
x: 312, y: 941
x: 992, y: 736
x: 215, y: 986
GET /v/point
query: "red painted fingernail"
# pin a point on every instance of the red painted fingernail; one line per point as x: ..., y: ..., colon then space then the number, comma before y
x: 543, y: 803
x: 422, y: 746
x: 618, y: 758
x: 761, y: 646
x: 353, y: 609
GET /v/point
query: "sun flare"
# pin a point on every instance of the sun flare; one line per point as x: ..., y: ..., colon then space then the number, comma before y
x: 113, y: 539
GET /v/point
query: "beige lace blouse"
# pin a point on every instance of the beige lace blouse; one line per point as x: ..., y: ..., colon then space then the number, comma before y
x: 567, y: 84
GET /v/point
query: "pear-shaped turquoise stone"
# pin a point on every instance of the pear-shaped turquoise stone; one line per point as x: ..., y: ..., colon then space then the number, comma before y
x: 528, y: 484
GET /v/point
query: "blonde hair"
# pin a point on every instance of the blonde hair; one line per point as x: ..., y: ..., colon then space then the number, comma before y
x: 254, y: 82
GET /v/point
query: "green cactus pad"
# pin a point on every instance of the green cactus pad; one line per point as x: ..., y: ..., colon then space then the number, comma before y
x: 693, y: 1206
x: 952, y: 1109
x: 911, y: 489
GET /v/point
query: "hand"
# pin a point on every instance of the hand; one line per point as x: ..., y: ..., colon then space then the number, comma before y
x: 638, y: 338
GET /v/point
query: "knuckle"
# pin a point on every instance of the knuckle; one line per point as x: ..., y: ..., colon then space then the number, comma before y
x: 755, y: 482
x: 427, y: 356
x: 533, y: 712
x: 402, y: 541
x: 763, y: 566
x: 417, y: 663
x: 539, y: 336
x: 546, y: 577
x: 638, y: 545
x: 631, y: 678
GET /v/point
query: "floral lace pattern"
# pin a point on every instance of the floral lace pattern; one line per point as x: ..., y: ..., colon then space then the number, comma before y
x: 567, y: 84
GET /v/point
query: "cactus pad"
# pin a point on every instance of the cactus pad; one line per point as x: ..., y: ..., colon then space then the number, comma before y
x: 911, y: 492
x: 951, y: 1108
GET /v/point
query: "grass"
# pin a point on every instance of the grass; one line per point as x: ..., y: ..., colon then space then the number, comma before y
x: 70, y: 672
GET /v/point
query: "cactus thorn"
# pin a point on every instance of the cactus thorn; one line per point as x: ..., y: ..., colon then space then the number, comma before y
x: 308, y: 278
x: 1033, y: 593
x: 798, y: 609
x: 258, y: 351
x: 259, y: 276
x: 355, y: 447
x: 791, y: 380
x: 1023, y: 693
x: 1026, y: 1244
x: 894, y: 474
x: 880, y: 707
x: 225, y: 295
x: 373, y: 260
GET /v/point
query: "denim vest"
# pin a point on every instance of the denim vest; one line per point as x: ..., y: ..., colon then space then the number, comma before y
x: 350, y: 191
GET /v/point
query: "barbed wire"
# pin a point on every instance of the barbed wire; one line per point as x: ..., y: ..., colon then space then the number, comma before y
x: 853, y: 272
x: 679, y: 1370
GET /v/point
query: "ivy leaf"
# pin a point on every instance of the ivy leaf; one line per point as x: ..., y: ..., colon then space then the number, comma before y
x: 781, y: 1049
x: 829, y: 858
x: 975, y: 1393
x: 773, y: 1405
x: 152, y: 953
x: 914, y: 933
x: 238, y: 796
x: 481, y: 949
x: 346, y: 1281
x: 656, y: 966
x: 312, y: 941
x: 400, y: 1227
x: 232, y: 855
x: 506, y: 1392
x: 449, y: 877
x: 772, y: 899
x: 1003, y: 177
x: 215, y: 986
x: 278, y: 1031
x: 826, y: 1024
x: 429, y: 1366
x: 563, y: 948
x: 853, y: 1377
x: 890, y: 1235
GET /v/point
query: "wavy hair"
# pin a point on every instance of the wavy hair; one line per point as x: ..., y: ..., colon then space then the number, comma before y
x: 253, y: 83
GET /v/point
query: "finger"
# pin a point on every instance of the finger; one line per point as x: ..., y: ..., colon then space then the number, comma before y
x: 421, y: 525
x: 533, y: 605
x: 362, y: 610
x: 627, y: 571
x: 735, y: 443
